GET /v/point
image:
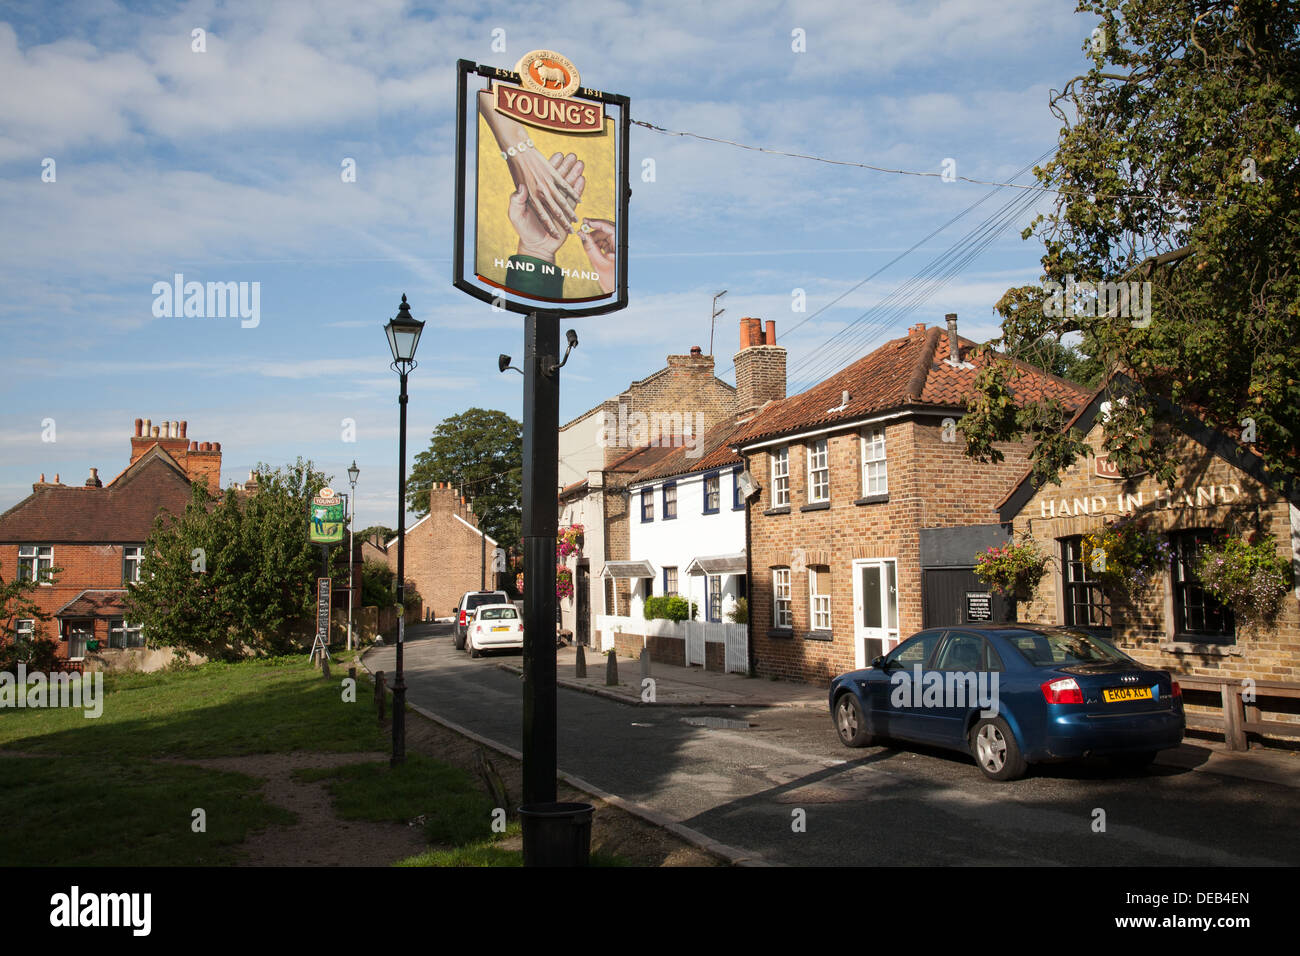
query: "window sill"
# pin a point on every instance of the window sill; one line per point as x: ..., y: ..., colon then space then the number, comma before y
x: 816, y: 506
x: 783, y: 510
x: 780, y: 632
x: 872, y: 499
x: 710, y: 511
x: 817, y: 634
x: 1213, y: 650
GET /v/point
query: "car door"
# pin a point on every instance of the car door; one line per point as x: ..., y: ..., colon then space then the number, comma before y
x: 894, y: 705
x: 964, y: 666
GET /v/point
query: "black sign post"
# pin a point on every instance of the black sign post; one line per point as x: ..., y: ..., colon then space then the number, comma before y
x: 323, y: 598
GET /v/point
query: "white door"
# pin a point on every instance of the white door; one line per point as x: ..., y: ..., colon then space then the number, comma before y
x: 875, y: 607
x: 78, y: 634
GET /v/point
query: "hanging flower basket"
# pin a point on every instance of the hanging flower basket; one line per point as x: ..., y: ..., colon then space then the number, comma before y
x: 1250, y: 578
x: 569, y: 541
x: 1012, y: 570
x: 519, y: 582
x: 1125, y: 555
x: 563, y: 582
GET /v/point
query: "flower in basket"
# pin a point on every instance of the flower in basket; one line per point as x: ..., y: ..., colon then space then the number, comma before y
x: 1012, y: 569
x: 1249, y: 577
x: 563, y: 581
x: 519, y: 582
x: 1125, y: 555
x: 569, y: 541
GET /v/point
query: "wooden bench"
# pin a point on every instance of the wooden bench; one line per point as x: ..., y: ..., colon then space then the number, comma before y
x: 1240, y: 717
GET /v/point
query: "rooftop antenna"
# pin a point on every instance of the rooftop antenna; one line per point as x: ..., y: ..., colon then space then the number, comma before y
x: 713, y: 321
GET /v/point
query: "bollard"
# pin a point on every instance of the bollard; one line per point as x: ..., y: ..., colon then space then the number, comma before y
x: 645, y: 662
x: 352, y: 672
x: 380, y: 687
x: 580, y: 665
x: 611, y: 669
x: 325, y: 667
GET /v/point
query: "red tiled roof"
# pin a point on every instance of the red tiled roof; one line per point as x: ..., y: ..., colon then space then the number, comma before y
x: 638, y: 458
x: 121, y: 512
x: 712, y: 451
x: 102, y: 602
x: 906, y: 372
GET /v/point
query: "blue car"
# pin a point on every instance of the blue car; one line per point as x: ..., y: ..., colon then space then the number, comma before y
x: 1011, y: 695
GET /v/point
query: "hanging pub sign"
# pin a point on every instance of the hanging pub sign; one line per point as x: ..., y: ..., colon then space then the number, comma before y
x: 549, y: 187
x: 326, y: 513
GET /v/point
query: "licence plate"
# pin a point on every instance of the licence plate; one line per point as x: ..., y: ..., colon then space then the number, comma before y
x: 501, y: 628
x: 1116, y: 695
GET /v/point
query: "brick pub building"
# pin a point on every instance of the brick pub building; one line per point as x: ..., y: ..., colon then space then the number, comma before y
x: 95, y: 532
x: 866, y: 495
x: 444, y: 552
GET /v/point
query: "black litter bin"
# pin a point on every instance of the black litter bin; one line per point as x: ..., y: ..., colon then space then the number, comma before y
x: 556, y: 834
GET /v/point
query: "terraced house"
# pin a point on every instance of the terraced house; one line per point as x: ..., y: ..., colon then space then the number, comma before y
x: 870, y: 515
x: 95, y: 533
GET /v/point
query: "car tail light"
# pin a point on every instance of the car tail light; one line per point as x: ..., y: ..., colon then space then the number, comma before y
x: 462, y: 617
x: 1064, y: 690
x: 1178, y: 691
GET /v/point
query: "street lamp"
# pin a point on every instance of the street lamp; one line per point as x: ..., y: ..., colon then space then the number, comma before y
x: 353, y: 473
x: 403, y: 336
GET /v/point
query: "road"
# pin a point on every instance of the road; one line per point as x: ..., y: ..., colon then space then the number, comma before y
x: 783, y: 788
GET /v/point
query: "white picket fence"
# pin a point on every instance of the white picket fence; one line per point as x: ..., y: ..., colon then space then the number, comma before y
x: 733, y: 637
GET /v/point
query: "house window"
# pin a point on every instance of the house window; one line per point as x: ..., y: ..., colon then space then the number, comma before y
x: 670, y: 580
x: 122, y: 634
x: 781, y: 613
x: 819, y: 473
x: 819, y: 599
x: 670, y: 500
x: 25, y: 629
x: 875, y: 475
x: 34, y: 562
x: 647, y: 504
x: 713, y: 594
x: 1196, y: 614
x: 711, y: 494
x: 737, y: 498
x: 131, y: 558
x: 1085, y: 601
x: 781, y: 478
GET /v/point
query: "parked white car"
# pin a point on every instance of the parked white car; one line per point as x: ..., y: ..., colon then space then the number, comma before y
x: 494, y: 627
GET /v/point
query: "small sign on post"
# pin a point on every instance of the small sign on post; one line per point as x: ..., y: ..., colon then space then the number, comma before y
x: 323, y: 598
x: 979, y: 606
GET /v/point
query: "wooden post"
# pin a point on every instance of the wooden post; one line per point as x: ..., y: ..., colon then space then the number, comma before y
x: 1234, y: 733
x: 381, y: 689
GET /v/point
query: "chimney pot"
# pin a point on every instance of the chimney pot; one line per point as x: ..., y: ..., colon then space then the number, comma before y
x: 176, y: 429
x: 216, y: 446
x: 696, y: 350
x: 153, y: 433
x: 139, y: 423
x: 42, y: 477
x: 56, y: 478
x: 147, y: 429
x: 954, y: 350
x: 769, y: 337
x: 184, y: 427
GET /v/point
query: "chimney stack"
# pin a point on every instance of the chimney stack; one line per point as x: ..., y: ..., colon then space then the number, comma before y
x: 954, y: 350
x: 760, y: 366
x: 93, y: 481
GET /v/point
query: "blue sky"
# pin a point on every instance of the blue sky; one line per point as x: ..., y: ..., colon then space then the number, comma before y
x: 225, y: 166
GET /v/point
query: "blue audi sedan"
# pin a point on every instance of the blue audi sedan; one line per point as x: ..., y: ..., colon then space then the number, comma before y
x: 1011, y: 695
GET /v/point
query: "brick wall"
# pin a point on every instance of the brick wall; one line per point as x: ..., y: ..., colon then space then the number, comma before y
x: 686, y: 387
x: 443, y: 557
x: 1143, y: 623
x: 931, y: 484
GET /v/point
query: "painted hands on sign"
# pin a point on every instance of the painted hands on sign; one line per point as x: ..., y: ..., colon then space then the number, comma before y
x: 601, y: 243
x: 542, y: 206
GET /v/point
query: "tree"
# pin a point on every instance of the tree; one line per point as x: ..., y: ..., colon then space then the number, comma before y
x: 482, y: 451
x: 1177, y: 176
x: 236, y: 575
x: 34, y: 649
x: 385, y: 533
x: 377, y: 588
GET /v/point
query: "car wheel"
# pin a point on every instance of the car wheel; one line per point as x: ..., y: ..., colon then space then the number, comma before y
x: 473, y: 651
x: 457, y: 640
x: 1134, y: 761
x: 995, y: 750
x: 850, y: 723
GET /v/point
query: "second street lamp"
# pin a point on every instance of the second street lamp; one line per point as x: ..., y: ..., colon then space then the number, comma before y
x: 403, y: 333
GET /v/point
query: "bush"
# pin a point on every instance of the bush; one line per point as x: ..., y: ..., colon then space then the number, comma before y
x: 669, y: 607
x: 377, y: 585
x: 740, y: 613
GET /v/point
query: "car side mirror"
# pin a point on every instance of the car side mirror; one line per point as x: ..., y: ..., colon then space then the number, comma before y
x: 879, y: 663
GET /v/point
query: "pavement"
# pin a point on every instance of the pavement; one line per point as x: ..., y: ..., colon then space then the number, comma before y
x: 694, y: 686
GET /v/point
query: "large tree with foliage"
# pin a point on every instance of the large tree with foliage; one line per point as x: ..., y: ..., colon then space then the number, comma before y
x: 481, y: 451
x: 36, y: 648
x: 234, y: 575
x: 1177, y: 166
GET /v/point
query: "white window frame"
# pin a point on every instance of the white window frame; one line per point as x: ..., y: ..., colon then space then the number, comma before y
x: 127, y: 630
x: 875, y: 467
x: 782, y: 612
x: 129, y: 559
x: 781, y: 477
x: 819, y: 457
x: 25, y: 626
x: 675, y: 581
x: 819, y: 605
x: 39, y: 563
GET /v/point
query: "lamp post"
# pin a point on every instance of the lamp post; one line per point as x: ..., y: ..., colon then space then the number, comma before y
x: 353, y: 473
x: 403, y: 333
